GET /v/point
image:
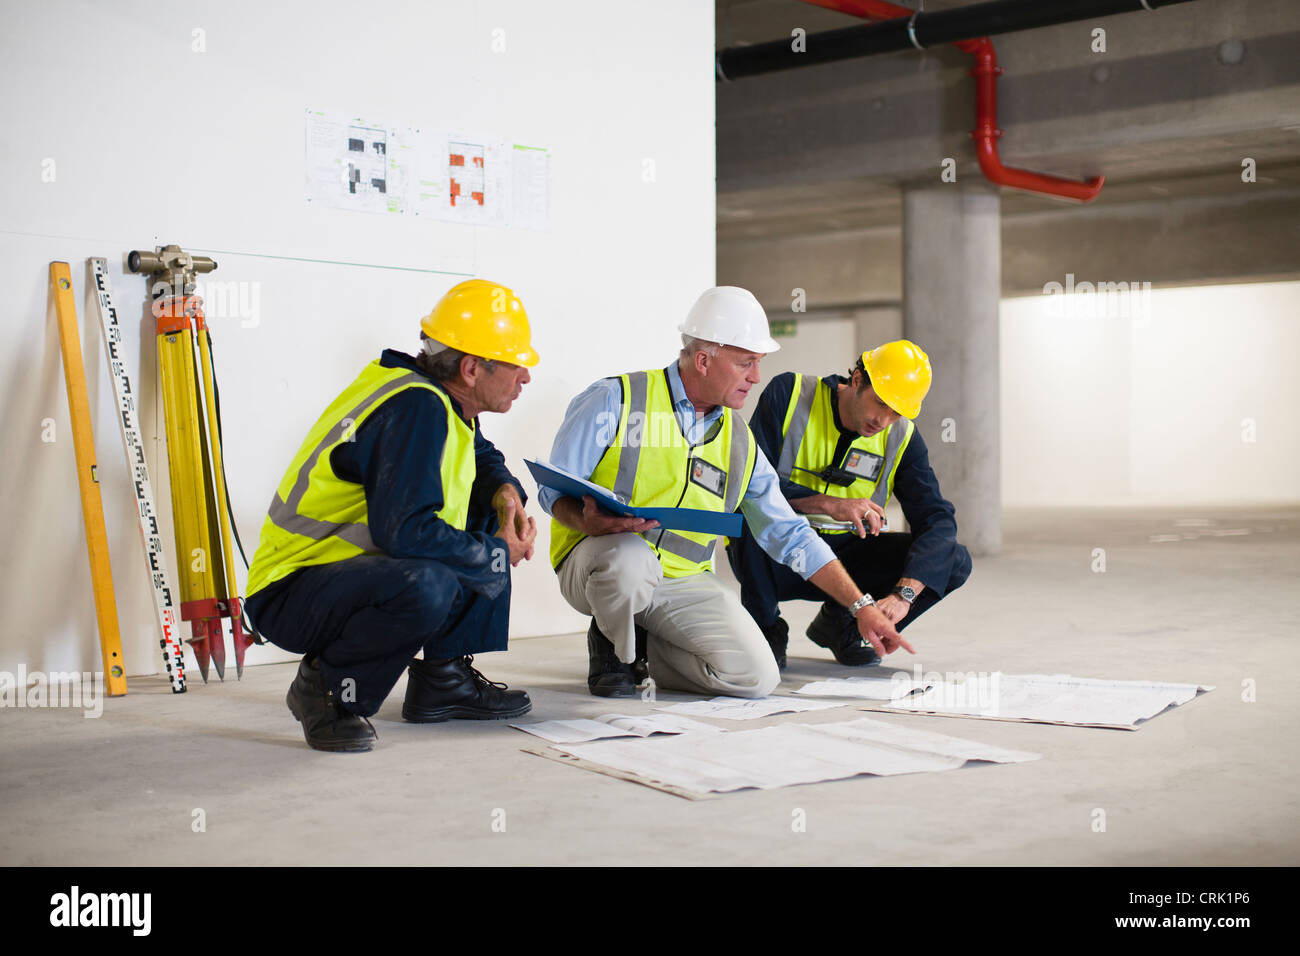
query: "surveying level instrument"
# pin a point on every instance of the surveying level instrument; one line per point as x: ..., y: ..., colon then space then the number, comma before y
x: 200, y: 512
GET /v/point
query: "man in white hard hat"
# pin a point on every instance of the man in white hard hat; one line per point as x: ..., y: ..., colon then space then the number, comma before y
x: 669, y: 437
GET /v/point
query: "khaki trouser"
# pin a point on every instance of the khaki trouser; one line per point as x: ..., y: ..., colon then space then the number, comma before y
x: 700, y: 638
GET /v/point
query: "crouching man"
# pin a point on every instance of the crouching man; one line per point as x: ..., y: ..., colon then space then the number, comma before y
x: 669, y: 437
x: 395, y: 527
x: 843, y: 447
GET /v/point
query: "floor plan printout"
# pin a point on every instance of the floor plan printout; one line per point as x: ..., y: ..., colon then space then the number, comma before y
x: 788, y: 754
x: 530, y: 191
x: 367, y: 165
x: 478, y: 178
x: 347, y: 163
x: 865, y: 688
x: 743, y: 708
x: 1055, y: 699
x: 614, y: 725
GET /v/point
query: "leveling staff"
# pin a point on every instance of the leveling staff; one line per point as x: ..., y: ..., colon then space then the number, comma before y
x: 395, y: 528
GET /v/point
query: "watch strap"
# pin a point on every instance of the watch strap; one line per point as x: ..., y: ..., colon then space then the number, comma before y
x: 865, y: 601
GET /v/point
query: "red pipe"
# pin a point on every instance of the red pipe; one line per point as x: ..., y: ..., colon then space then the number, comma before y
x: 986, y: 132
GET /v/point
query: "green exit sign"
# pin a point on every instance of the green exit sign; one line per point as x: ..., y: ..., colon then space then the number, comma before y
x: 784, y: 329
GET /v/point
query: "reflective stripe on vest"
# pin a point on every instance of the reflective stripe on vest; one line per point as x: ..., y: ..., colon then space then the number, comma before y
x: 315, y: 516
x: 810, y: 439
x: 648, y: 419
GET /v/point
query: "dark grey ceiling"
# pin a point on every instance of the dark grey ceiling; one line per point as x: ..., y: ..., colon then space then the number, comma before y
x: 1195, y: 158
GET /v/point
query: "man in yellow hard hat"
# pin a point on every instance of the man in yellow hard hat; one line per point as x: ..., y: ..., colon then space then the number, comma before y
x: 395, y: 528
x: 843, y: 446
x: 670, y: 437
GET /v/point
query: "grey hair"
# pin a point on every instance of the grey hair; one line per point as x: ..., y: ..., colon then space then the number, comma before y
x: 442, y: 362
x: 691, y: 345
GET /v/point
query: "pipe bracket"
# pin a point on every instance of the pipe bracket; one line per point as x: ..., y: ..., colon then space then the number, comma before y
x: 911, y: 30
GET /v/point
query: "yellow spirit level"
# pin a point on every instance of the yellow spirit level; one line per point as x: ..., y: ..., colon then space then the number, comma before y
x: 92, y: 504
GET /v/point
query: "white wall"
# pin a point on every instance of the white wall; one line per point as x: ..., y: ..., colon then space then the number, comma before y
x: 1154, y: 407
x: 154, y: 143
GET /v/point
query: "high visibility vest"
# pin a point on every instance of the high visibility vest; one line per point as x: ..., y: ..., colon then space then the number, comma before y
x: 810, y: 436
x: 316, y: 517
x: 649, y: 463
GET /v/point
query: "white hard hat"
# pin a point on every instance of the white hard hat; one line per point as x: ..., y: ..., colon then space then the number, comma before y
x: 729, y: 316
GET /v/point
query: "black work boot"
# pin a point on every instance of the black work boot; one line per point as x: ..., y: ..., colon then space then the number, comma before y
x: 325, y: 724
x: 641, y: 666
x: 835, y: 629
x: 443, y: 690
x: 778, y: 638
x: 607, y: 676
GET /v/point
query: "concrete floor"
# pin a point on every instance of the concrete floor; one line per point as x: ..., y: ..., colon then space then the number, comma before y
x: 1186, y: 596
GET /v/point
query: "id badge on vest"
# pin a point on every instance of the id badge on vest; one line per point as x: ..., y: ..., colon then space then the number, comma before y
x: 709, y: 477
x: 863, y: 464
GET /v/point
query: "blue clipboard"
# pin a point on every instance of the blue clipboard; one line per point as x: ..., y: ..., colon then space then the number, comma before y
x: 678, y: 519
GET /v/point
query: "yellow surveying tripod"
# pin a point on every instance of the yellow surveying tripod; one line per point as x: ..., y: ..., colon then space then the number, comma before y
x: 200, y: 512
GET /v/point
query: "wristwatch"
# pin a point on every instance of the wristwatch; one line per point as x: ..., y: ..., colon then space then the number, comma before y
x: 860, y: 603
x: 906, y: 593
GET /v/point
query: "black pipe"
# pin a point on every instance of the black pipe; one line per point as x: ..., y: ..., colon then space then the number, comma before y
x: 927, y: 29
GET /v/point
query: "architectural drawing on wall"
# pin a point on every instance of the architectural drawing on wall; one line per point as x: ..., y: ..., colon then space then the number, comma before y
x: 367, y: 160
x: 424, y: 164
x: 477, y: 177
x: 465, y: 170
x: 530, y: 188
x: 347, y: 163
x: 455, y: 176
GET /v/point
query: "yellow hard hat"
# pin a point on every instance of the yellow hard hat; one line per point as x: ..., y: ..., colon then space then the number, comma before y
x: 482, y: 318
x: 900, y: 375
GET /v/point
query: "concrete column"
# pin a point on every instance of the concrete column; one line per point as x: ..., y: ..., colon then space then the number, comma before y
x: 951, y: 291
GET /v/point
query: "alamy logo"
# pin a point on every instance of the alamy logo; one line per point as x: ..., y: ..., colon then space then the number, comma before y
x: 55, y: 689
x: 102, y: 909
x: 977, y: 692
x: 232, y: 300
x: 644, y: 430
x: 1098, y: 300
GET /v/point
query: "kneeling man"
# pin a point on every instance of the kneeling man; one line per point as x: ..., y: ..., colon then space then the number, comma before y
x: 669, y: 437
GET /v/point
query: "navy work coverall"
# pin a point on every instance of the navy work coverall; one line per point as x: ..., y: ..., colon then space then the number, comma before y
x: 929, y: 552
x: 434, y: 586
